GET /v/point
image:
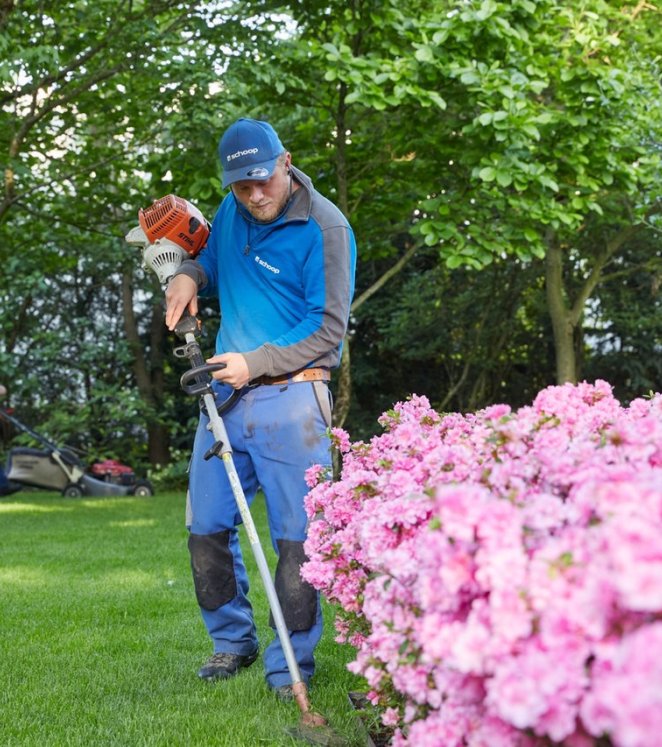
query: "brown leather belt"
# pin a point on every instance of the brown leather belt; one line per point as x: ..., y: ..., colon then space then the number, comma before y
x: 303, y: 374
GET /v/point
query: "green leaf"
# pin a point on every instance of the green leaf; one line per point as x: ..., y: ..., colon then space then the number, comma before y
x: 454, y: 261
x: 424, y: 54
x: 439, y: 37
x: 437, y: 99
x: 548, y: 182
x: 523, y: 252
x: 331, y: 48
x: 531, y: 130
x: 487, y: 8
x: 470, y: 77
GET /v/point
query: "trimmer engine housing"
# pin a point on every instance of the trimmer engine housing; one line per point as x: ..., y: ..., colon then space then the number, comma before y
x: 176, y: 220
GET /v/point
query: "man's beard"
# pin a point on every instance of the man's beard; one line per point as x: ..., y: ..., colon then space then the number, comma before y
x: 272, y: 209
x: 269, y: 212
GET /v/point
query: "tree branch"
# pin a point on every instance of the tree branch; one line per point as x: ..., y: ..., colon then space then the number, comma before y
x: 385, y: 277
x: 595, y: 275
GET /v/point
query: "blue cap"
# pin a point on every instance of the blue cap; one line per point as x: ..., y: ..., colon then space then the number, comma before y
x: 249, y: 149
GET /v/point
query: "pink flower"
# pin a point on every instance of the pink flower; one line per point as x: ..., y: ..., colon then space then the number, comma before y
x: 315, y: 475
x: 500, y: 573
x: 391, y: 717
x: 340, y: 439
x: 625, y: 700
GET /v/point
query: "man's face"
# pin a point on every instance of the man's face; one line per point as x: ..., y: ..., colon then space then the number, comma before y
x: 265, y: 200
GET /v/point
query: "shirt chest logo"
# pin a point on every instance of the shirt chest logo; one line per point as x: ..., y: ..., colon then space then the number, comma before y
x: 267, y: 266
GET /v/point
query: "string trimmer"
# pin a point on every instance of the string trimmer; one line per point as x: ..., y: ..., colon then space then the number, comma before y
x: 169, y: 231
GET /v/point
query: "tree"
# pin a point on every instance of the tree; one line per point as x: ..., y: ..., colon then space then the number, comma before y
x: 551, y: 116
x: 354, y: 153
x: 623, y: 326
x: 86, y: 88
x: 459, y: 137
x: 565, y: 125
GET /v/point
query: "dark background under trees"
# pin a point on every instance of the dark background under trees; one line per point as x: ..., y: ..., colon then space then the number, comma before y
x: 499, y: 162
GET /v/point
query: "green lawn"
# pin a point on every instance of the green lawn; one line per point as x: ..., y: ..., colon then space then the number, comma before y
x: 101, y: 637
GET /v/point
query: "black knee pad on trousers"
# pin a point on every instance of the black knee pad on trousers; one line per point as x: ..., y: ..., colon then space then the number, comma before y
x: 213, y: 569
x: 297, y: 597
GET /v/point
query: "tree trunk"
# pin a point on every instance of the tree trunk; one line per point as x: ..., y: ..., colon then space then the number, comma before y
x: 158, y: 435
x: 344, y: 390
x: 562, y: 324
x: 566, y: 314
x: 148, y: 379
x: 158, y: 444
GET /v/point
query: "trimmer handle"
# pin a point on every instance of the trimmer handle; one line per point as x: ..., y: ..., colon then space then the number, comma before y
x: 196, y: 380
x: 203, y: 386
x: 188, y: 325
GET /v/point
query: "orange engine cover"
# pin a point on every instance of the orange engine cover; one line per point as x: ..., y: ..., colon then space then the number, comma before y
x: 175, y: 219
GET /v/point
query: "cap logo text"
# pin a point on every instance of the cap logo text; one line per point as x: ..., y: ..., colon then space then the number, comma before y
x: 240, y: 153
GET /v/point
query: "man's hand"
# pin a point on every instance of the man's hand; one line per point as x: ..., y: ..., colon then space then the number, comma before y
x: 235, y: 372
x: 182, y: 291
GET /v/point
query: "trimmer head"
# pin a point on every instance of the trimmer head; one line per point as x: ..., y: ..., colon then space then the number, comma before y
x: 324, y: 736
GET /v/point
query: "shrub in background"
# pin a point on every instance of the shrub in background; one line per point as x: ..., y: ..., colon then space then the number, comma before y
x: 500, y: 573
x: 173, y: 476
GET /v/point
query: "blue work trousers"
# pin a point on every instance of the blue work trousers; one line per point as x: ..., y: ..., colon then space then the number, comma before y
x: 276, y: 432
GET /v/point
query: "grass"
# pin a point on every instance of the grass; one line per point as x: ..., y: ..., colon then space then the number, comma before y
x: 102, y: 638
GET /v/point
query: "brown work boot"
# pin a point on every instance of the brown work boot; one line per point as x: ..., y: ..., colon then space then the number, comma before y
x: 222, y: 665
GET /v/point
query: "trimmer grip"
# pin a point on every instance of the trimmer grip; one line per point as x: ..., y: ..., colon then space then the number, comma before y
x: 196, y: 380
x: 188, y: 325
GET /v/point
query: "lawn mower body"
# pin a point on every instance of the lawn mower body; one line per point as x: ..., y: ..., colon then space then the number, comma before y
x: 53, y: 468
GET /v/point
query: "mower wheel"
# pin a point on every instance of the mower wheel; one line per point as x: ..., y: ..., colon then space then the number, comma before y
x: 72, y: 491
x: 143, y: 489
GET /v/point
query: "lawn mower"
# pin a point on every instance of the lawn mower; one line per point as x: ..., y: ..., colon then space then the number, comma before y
x: 55, y: 468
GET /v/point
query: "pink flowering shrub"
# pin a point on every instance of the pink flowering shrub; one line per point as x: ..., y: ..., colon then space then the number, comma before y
x: 500, y: 573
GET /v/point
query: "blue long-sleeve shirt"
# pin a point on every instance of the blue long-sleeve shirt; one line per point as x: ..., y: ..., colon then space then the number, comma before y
x: 284, y: 287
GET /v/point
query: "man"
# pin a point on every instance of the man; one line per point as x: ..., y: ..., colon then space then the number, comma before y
x: 281, y: 258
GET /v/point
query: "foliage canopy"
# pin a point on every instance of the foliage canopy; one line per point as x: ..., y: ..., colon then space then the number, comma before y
x: 499, y: 161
